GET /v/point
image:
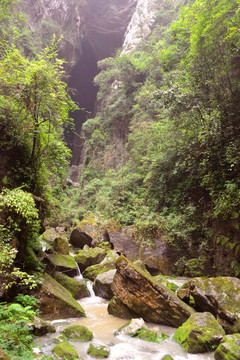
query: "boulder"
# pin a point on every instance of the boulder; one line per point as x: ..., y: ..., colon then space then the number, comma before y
x: 88, y: 257
x: 41, y: 327
x: 77, y: 288
x: 47, y: 238
x: 65, y: 351
x: 61, y: 246
x: 56, y: 302
x: 143, y: 295
x: 102, y: 284
x: 200, y: 333
x: 62, y: 263
x: 107, y: 264
x: 123, y: 240
x: 229, y: 348
x: 98, y: 351
x: 117, y: 308
x: 167, y: 357
x: 131, y: 327
x: 169, y: 284
x: 77, y: 332
x: 79, y: 239
x: 220, y: 296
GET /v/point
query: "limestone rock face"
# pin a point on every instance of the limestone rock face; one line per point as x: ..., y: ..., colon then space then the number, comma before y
x: 220, y: 296
x: 150, y: 300
x: 200, y: 333
x: 229, y: 348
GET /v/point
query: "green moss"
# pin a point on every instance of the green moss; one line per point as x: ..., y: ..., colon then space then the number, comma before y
x: 98, y: 351
x: 229, y: 348
x: 147, y: 335
x: 167, y: 357
x: 65, y: 351
x: 200, y: 333
x: 91, y: 256
x: 77, y: 332
x: 52, y: 286
x: 77, y: 289
x: 67, y: 261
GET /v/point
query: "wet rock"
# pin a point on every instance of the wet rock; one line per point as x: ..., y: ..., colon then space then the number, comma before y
x: 118, y: 308
x: 220, y: 296
x: 88, y: 257
x: 107, y: 264
x: 131, y: 327
x: 150, y: 300
x: 41, y: 327
x: 98, y: 351
x: 62, y: 263
x: 65, y: 351
x: 56, y: 302
x: 79, y: 239
x: 61, y: 246
x: 77, y: 288
x: 229, y: 348
x: 77, y: 332
x: 102, y: 284
x: 200, y: 333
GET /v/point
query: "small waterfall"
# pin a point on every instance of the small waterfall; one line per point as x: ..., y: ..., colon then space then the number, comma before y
x: 89, y: 283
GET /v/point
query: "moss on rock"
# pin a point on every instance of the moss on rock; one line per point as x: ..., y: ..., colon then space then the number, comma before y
x: 56, y: 302
x: 98, y: 351
x: 77, y: 332
x: 88, y: 257
x: 77, y: 288
x: 229, y: 348
x: 65, y: 351
x: 167, y: 357
x: 200, y: 333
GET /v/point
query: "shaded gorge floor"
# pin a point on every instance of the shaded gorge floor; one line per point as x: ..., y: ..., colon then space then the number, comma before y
x: 122, y: 347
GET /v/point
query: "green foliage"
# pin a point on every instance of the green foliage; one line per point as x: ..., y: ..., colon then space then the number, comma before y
x: 16, y: 337
x: 169, y: 115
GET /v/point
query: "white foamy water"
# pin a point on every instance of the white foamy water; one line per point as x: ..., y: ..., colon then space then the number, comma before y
x: 122, y: 347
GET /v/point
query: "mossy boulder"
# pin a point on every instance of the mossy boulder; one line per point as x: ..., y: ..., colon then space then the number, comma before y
x: 229, y: 348
x: 65, y: 351
x: 88, y: 257
x: 77, y: 288
x: 200, y: 333
x: 102, y: 284
x: 62, y: 263
x: 167, y: 357
x: 143, y: 295
x: 220, y: 296
x: 41, y: 327
x: 48, y: 237
x: 107, y: 264
x: 169, y: 284
x: 56, y: 302
x: 79, y: 239
x: 98, y: 351
x: 77, y: 332
x: 61, y: 246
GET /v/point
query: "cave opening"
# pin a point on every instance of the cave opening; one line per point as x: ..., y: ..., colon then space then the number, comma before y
x: 85, y: 93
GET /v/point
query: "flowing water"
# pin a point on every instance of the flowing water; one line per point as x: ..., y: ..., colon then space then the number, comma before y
x: 122, y: 347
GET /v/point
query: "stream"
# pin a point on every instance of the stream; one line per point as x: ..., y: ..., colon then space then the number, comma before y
x: 122, y: 347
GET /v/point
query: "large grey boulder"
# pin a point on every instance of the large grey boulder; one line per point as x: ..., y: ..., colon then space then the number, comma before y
x: 141, y: 294
x: 79, y: 239
x: 220, y: 296
x: 200, y: 333
x: 103, y: 283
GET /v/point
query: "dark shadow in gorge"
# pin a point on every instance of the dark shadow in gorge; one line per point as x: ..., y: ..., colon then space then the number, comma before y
x: 81, y: 79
